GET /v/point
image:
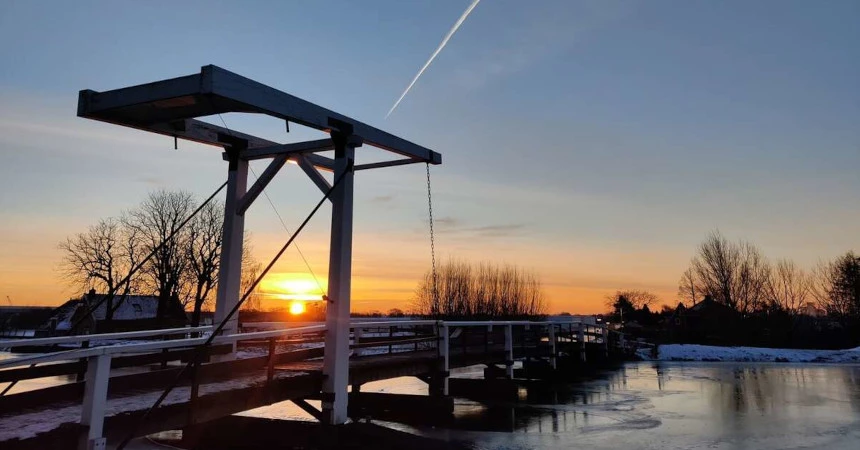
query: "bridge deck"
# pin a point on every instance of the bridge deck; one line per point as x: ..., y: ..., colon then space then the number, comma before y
x: 56, y: 421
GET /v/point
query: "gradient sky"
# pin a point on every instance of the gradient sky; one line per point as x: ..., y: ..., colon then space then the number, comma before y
x: 595, y: 142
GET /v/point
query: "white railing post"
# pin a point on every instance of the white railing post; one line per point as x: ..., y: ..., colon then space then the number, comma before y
x: 552, y: 348
x: 444, y: 350
x: 509, y: 351
x: 356, y: 339
x: 581, y: 339
x: 95, y: 401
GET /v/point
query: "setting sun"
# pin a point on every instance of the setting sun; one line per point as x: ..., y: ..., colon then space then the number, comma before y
x: 297, y: 308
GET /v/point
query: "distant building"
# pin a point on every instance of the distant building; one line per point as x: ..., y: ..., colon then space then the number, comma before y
x: 811, y: 310
x: 706, y: 322
x: 130, y: 313
x: 22, y: 321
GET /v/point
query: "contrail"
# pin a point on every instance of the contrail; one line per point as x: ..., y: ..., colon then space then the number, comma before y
x: 433, y: 56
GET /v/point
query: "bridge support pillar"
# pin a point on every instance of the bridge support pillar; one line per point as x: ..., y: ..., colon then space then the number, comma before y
x: 336, y: 359
x: 230, y: 270
x: 552, y: 347
x: 605, y: 341
x: 95, y: 402
x: 509, y: 351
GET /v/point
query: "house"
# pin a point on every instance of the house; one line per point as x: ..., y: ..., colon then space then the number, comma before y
x: 22, y: 321
x: 130, y: 313
x: 706, y: 322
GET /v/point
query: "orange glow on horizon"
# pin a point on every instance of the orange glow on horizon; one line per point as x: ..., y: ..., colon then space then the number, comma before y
x: 295, y: 287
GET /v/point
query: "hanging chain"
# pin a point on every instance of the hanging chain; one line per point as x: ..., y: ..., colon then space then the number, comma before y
x: 432, y: 243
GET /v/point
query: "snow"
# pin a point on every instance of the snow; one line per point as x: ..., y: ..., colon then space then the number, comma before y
x: 691, y: 352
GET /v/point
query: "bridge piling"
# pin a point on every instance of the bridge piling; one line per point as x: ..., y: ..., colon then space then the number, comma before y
x: 509, y: 350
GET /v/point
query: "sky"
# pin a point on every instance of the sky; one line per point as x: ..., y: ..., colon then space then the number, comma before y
x: 593, y: 142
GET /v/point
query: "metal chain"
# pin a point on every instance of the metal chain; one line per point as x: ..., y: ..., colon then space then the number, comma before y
x: 432, y: 241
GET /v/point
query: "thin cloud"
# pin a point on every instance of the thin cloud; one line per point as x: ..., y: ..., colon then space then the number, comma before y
x: 435, y: 53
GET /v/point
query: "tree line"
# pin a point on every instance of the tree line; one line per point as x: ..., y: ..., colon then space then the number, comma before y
x: 480, y: 290
x: 185, y: 268
x: 738, y: 275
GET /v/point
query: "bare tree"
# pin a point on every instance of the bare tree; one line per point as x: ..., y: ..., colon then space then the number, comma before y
x: 482, y: 290
x: 688, y: 288
x: 251, y: 269
x: 734, y: 274
x: 101, y: 258
x: 836, y: 286
x: 155, y: 220
x: 203, y: 255
x: 637, y: 298
x: 788, y: 287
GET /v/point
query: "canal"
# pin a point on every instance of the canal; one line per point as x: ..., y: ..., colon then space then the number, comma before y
x: 659, y: 405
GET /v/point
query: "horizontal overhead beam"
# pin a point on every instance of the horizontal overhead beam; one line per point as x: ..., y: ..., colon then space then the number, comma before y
x: 377, y: 165
x: 167, y: 104
x: 296, y: 148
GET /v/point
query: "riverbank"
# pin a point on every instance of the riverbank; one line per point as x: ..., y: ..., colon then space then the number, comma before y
x: 693, y: 352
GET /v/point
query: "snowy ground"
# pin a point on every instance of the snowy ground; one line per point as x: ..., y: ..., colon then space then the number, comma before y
x: 690, y: 352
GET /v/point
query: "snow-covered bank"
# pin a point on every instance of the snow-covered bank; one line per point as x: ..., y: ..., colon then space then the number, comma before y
x: 689, y: 352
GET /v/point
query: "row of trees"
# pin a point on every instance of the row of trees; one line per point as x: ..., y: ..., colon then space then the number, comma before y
x: 185, y: 268
x: 483, y: 290
x: 739, y: 276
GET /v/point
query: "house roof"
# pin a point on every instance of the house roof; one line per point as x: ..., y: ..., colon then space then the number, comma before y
x: 132, y: 307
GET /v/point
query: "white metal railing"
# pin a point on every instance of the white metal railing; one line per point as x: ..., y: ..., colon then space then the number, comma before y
x: 99, y: 358
x: 77, y: 339
x: 149, y: 346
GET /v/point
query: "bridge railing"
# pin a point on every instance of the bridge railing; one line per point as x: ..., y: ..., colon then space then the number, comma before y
x: 448, y: 338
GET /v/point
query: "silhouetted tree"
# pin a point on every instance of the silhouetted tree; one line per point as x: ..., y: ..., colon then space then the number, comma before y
x: 155, y: 219
x: 788, y: 287
x: 102, y: 258
x: 735, y: 274
x: 836, y: 286
x: 485, y: 290
x: 396, y: 312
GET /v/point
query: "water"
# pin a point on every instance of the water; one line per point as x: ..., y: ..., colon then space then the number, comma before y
x: 650, y: 405
x: 663, y: 405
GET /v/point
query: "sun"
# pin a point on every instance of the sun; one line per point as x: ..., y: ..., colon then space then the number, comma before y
x: 297, y: 308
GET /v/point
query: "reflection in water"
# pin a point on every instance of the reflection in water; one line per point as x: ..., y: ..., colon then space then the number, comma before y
x: 672, y: 405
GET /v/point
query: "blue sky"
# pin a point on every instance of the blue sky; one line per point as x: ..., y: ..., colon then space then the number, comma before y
x: 595, y: 142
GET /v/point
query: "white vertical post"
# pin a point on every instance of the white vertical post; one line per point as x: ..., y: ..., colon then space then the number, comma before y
x: 336, y: 359
x: 356, y: 339
x: 552, y: 348
x: 95, y: 400
x: 581, y: 339
x: 230, y: 270
x: 444, y: 350
x: 509, y: 351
